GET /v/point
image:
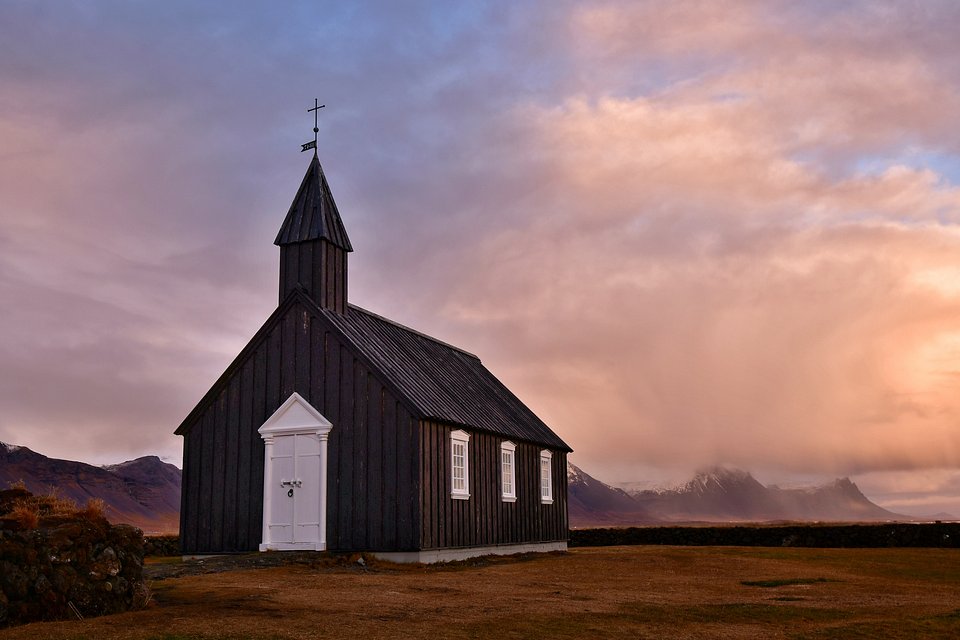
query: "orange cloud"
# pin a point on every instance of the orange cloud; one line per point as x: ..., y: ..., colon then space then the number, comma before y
x: 711, y: 276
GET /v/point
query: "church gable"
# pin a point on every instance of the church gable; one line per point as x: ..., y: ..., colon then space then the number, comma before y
x: 372, y: 456
x: 299, y: 350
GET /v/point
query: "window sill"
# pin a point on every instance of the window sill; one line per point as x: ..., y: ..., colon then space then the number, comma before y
x: 508, y: 498
x: 546, y: 501
x: 460, y: 496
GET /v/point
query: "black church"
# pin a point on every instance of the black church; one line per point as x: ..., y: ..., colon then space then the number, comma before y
x: 336, y: 428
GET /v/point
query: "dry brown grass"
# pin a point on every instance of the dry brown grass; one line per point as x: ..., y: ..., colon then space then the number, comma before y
x: 26, y: 515
x: 28, y: 512
x: 94, y: 509
x: 612, y: 592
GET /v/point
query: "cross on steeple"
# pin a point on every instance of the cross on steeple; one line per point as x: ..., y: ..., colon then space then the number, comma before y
x: 313, y: 145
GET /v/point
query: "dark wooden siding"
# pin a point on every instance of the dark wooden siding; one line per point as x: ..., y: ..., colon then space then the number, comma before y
x: 485, y: 519
x: 320, y: 268
x: 373, y: 463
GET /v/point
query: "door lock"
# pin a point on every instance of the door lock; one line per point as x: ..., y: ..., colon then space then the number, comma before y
x: 290, y: 493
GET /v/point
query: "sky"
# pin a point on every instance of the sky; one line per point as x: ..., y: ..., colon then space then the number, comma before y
x: 684, y: 233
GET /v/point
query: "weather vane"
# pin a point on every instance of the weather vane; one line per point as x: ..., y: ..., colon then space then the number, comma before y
x: 313, y: 143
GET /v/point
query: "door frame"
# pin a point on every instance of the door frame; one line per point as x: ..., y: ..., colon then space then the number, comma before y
x: 295, y: 416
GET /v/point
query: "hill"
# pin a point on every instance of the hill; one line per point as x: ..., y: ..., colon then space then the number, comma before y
x: 144, y: 492
x: 593, y: 503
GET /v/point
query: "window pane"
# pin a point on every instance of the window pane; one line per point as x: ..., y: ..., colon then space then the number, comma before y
x: 506, y: 473
x: 458, y: 450
x: 545, y: 489
x: 459, y: 463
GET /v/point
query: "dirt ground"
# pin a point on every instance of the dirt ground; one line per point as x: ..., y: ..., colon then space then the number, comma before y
x: 610, y: 592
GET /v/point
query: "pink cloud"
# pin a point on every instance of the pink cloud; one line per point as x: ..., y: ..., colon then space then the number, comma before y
x: 694, y: 286
x: 684, y: 232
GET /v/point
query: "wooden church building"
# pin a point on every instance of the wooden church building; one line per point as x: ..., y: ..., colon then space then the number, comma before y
x: 335, y: 428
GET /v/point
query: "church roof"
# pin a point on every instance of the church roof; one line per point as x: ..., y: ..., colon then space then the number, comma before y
x: 436, y: 380
x: 313, y: 214
x: 441, y: 381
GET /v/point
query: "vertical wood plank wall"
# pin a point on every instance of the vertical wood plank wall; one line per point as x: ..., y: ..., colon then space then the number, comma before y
x: 485, y: 519
x: 373, y: 466
x: 320, y: 267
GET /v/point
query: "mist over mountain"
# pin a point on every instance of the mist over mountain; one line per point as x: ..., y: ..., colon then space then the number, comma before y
x: 719, y: 494
x: 144, y: 492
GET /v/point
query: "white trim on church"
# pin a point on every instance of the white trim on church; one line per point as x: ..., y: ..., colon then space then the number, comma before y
x: 295, y: 477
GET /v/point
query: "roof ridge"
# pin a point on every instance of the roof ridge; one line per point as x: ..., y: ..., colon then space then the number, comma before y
x: 413, y: 331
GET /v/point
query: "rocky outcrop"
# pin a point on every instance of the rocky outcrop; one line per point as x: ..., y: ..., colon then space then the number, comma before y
x: 65, y: 565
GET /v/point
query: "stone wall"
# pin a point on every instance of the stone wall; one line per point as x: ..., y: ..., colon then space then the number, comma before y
x: 67, y: 565
x: 946, y: 534
x: 161, y: 546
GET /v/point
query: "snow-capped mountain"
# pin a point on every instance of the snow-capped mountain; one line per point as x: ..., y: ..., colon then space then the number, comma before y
x: 719, y: 494
x: 716, y: 494
x: 593, y: 503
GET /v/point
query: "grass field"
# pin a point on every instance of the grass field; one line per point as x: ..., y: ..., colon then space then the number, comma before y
x: 610, y: 592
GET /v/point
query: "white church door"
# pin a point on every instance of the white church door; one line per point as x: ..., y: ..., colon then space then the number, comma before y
x: 295, y: 490
x: 294, y: 479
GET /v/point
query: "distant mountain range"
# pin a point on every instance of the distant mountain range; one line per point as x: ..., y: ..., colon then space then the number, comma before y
x: 718, y: 495
x: 144, y: 492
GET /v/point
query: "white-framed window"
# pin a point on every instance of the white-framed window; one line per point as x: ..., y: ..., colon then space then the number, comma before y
x: 546, y: 476
x: 460, y: 465
x: 508, y: 471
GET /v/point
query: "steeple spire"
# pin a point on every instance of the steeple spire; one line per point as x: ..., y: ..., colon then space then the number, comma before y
x: 313, y: 214
x: 314, y: 244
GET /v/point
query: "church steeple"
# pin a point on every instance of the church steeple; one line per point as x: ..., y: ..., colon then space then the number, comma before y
x: 314, y: 244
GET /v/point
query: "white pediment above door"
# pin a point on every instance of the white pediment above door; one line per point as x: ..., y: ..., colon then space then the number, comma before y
x: 295, y: 415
